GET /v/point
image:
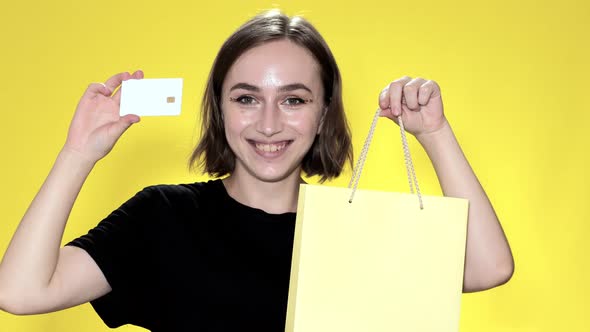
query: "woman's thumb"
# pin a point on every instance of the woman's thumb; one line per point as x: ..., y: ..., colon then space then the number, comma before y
x: 124, y: 123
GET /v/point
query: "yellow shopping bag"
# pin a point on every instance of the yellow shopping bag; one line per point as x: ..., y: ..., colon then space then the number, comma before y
x: 378, y: 263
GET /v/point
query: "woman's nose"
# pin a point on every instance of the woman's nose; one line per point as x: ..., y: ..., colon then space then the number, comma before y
x: 270, y: 122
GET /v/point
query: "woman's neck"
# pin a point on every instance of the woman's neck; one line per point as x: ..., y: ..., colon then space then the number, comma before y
x: 271, y: 197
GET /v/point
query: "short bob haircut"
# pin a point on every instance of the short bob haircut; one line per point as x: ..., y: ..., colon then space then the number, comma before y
x: 332, y: 146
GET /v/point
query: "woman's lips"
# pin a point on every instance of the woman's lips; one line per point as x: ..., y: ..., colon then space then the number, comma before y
x: 272, y: 149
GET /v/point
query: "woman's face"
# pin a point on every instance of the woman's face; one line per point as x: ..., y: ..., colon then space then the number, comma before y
x: 272, y: 100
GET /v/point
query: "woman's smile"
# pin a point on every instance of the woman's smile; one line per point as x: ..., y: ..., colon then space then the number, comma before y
x: 271, y: 149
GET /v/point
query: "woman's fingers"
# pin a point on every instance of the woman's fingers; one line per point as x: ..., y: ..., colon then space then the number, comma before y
x: 428, y: 90
x: 111, y: 85
x: 95, y: 89
x: 419, y: 98
x: 136, y: 75
x: 384, y: 98
x: 410, y: 93
x: 396, y: 93
x: 391, y: 96
x: 114, y: 81
x: 123, y: 124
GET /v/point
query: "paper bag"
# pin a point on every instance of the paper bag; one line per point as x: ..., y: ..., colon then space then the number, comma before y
x: 379, y: 263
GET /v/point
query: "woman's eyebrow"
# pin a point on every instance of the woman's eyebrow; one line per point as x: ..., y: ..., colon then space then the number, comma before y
x: 245, y: 86
x: 294, y: 86
x: 284, y: 88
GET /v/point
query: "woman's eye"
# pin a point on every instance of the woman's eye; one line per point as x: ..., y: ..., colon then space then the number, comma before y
x: 294, y: 101
x: 245, y: 100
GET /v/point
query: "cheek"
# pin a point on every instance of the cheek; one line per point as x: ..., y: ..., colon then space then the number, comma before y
x: 305, y: 124
x: 235, y: 123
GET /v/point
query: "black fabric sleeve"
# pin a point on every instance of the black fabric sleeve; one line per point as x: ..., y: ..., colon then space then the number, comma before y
x: 120, y: 246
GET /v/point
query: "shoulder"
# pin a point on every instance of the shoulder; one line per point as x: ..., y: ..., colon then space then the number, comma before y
x: 195, y: 193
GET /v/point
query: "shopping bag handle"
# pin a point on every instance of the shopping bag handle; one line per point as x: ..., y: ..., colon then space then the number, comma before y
x: 356, y: 172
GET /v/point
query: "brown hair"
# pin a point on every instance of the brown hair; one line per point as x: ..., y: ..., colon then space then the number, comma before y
x: 332, y: 146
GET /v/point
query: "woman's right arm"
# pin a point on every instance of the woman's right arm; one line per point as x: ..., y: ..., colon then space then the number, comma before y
x: 37, y: 276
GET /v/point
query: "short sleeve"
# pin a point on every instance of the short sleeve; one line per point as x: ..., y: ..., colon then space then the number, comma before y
x: 120, y: 246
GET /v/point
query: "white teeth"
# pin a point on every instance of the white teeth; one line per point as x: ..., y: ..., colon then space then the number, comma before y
x: 270, y: 147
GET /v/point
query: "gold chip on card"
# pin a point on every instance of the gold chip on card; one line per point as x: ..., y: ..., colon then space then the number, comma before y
x: 170, y: 100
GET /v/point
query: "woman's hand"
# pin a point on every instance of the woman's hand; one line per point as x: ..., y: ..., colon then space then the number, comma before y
x: 419, y: 102
x: 96, y: 125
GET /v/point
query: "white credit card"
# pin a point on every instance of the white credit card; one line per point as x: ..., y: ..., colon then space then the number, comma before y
x: 151, y: 96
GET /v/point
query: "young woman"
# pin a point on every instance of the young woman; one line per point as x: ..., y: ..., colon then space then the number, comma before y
x: 216, y: 256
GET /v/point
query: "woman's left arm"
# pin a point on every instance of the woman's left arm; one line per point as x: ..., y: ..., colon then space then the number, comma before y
x: 488, y: 259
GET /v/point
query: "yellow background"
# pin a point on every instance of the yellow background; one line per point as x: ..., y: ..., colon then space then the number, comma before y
x: 514, y: 77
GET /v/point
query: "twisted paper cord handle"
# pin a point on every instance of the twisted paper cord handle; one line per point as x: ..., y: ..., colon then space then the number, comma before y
x: 358, y: 169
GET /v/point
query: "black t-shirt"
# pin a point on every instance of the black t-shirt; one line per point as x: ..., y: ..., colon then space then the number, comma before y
x: 190, y: 258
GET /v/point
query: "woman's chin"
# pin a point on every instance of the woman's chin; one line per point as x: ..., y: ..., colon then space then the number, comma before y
x: 273, y: 175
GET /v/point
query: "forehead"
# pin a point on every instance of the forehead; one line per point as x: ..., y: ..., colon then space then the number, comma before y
x: 274, y: 64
